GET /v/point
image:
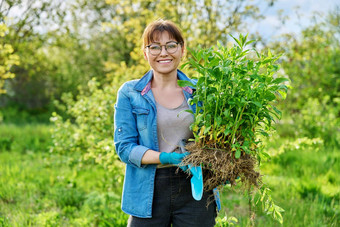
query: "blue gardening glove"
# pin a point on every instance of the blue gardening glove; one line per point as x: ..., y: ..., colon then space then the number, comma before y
x: 173, y: 158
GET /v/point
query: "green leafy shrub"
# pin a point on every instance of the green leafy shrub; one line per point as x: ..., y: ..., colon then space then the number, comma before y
x: 226, y: 221
x: 318, y: 119
x: 238, y: 92
x: 235, y: 97
x: 312, y: 62
x: 297, y: 145
x: 88, y: 130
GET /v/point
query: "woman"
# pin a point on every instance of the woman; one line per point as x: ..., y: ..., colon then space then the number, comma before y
x: 149, y: 123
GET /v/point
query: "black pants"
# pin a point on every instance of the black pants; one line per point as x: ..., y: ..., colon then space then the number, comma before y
x: 174, y: 205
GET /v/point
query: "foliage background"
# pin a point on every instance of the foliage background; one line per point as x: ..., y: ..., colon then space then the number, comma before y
x: 68, y: 58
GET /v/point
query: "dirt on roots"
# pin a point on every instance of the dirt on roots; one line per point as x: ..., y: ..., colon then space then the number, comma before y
x: 220, y: 166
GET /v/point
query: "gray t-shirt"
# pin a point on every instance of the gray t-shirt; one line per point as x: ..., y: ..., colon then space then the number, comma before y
x: 173, y: 126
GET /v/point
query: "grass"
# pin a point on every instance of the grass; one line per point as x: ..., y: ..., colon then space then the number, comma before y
x: 39, y: 188
x: 303, y: 182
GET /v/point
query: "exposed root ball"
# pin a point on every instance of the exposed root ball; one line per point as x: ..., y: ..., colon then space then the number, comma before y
x: 220, y: 166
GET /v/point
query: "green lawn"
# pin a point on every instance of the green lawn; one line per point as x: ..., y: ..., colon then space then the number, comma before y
x: 39, y: 188
x: 304, y: 182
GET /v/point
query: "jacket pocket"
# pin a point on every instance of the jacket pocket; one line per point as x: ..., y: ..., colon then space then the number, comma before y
x: 141, y: 117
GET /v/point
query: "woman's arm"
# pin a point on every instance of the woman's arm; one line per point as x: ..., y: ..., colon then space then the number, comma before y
x: 125, y: 130
x: 151, y: 157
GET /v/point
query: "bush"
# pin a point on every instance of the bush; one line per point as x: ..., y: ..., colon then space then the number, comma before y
x: 88, y: 130
x: 318, y: 119
x: 235, y: 96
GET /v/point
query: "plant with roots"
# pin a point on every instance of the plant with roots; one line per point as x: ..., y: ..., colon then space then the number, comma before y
x: 235, y: 97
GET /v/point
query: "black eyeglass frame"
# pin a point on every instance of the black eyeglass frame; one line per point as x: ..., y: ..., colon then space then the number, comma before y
x: 178, y: 43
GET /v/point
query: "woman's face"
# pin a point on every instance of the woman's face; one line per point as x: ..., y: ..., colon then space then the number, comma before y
x: 164, y: 63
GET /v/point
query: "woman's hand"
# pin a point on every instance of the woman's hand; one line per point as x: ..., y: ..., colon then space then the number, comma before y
x: 173, y: 158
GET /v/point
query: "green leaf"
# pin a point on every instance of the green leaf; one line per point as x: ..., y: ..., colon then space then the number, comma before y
x: 277, y: 111
x: 283, y: 94
x: 265, y: 155
x: 279, y: 217
x: 236, y: 40
x: 250, y: 41
x: 270, y: 96
x: 207, y: 129
x: 264, y: 193
x: 266, y: 60
x: 189, y: 111
x: 269, y: 53
x: 283, y: 87
x: 257, y: 103
x: 279, y: 209
x: 219, y: 54
x: 227, y: 132
x: 238, y: 153
x: 226, y: 113
x: 264, y: 133
x: 185, y: 83
x: 279, y: 80
x: 219, y: 120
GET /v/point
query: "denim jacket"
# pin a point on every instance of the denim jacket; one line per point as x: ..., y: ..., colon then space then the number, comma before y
x: 135, y: 132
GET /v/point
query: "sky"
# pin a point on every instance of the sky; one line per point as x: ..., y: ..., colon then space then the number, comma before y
x: 271, y: 25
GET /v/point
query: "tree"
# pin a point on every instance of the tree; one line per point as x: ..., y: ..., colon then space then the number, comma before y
x: 24, y: 19
x: 63, y: 44
x: 312, y: 62
x: 7, y: 59
x: 57, y: 54
x: 203, y: 23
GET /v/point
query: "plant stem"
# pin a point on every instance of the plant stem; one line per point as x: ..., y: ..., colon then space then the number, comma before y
x: 238, y: 118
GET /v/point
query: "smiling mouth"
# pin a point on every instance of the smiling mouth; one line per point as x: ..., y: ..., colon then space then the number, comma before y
x: 164, y: 61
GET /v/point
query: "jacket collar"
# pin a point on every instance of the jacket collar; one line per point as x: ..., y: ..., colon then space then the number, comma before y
x: 144, y: 84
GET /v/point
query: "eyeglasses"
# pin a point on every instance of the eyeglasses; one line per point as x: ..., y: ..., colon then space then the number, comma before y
x: 156, y: 49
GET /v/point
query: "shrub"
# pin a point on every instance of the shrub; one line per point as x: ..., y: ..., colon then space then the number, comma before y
x: 88, y: 130
x: 238, y: 92
x: 235, y: 98
x: 318, y: 119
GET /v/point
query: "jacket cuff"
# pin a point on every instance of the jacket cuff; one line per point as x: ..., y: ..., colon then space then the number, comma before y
x: 136, y: 155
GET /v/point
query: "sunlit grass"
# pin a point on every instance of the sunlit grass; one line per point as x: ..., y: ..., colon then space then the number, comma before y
x: 40, y: 188
x: 302, y: 181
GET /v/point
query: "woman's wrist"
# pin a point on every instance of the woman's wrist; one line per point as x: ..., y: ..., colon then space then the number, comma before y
x: 151, y: 157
